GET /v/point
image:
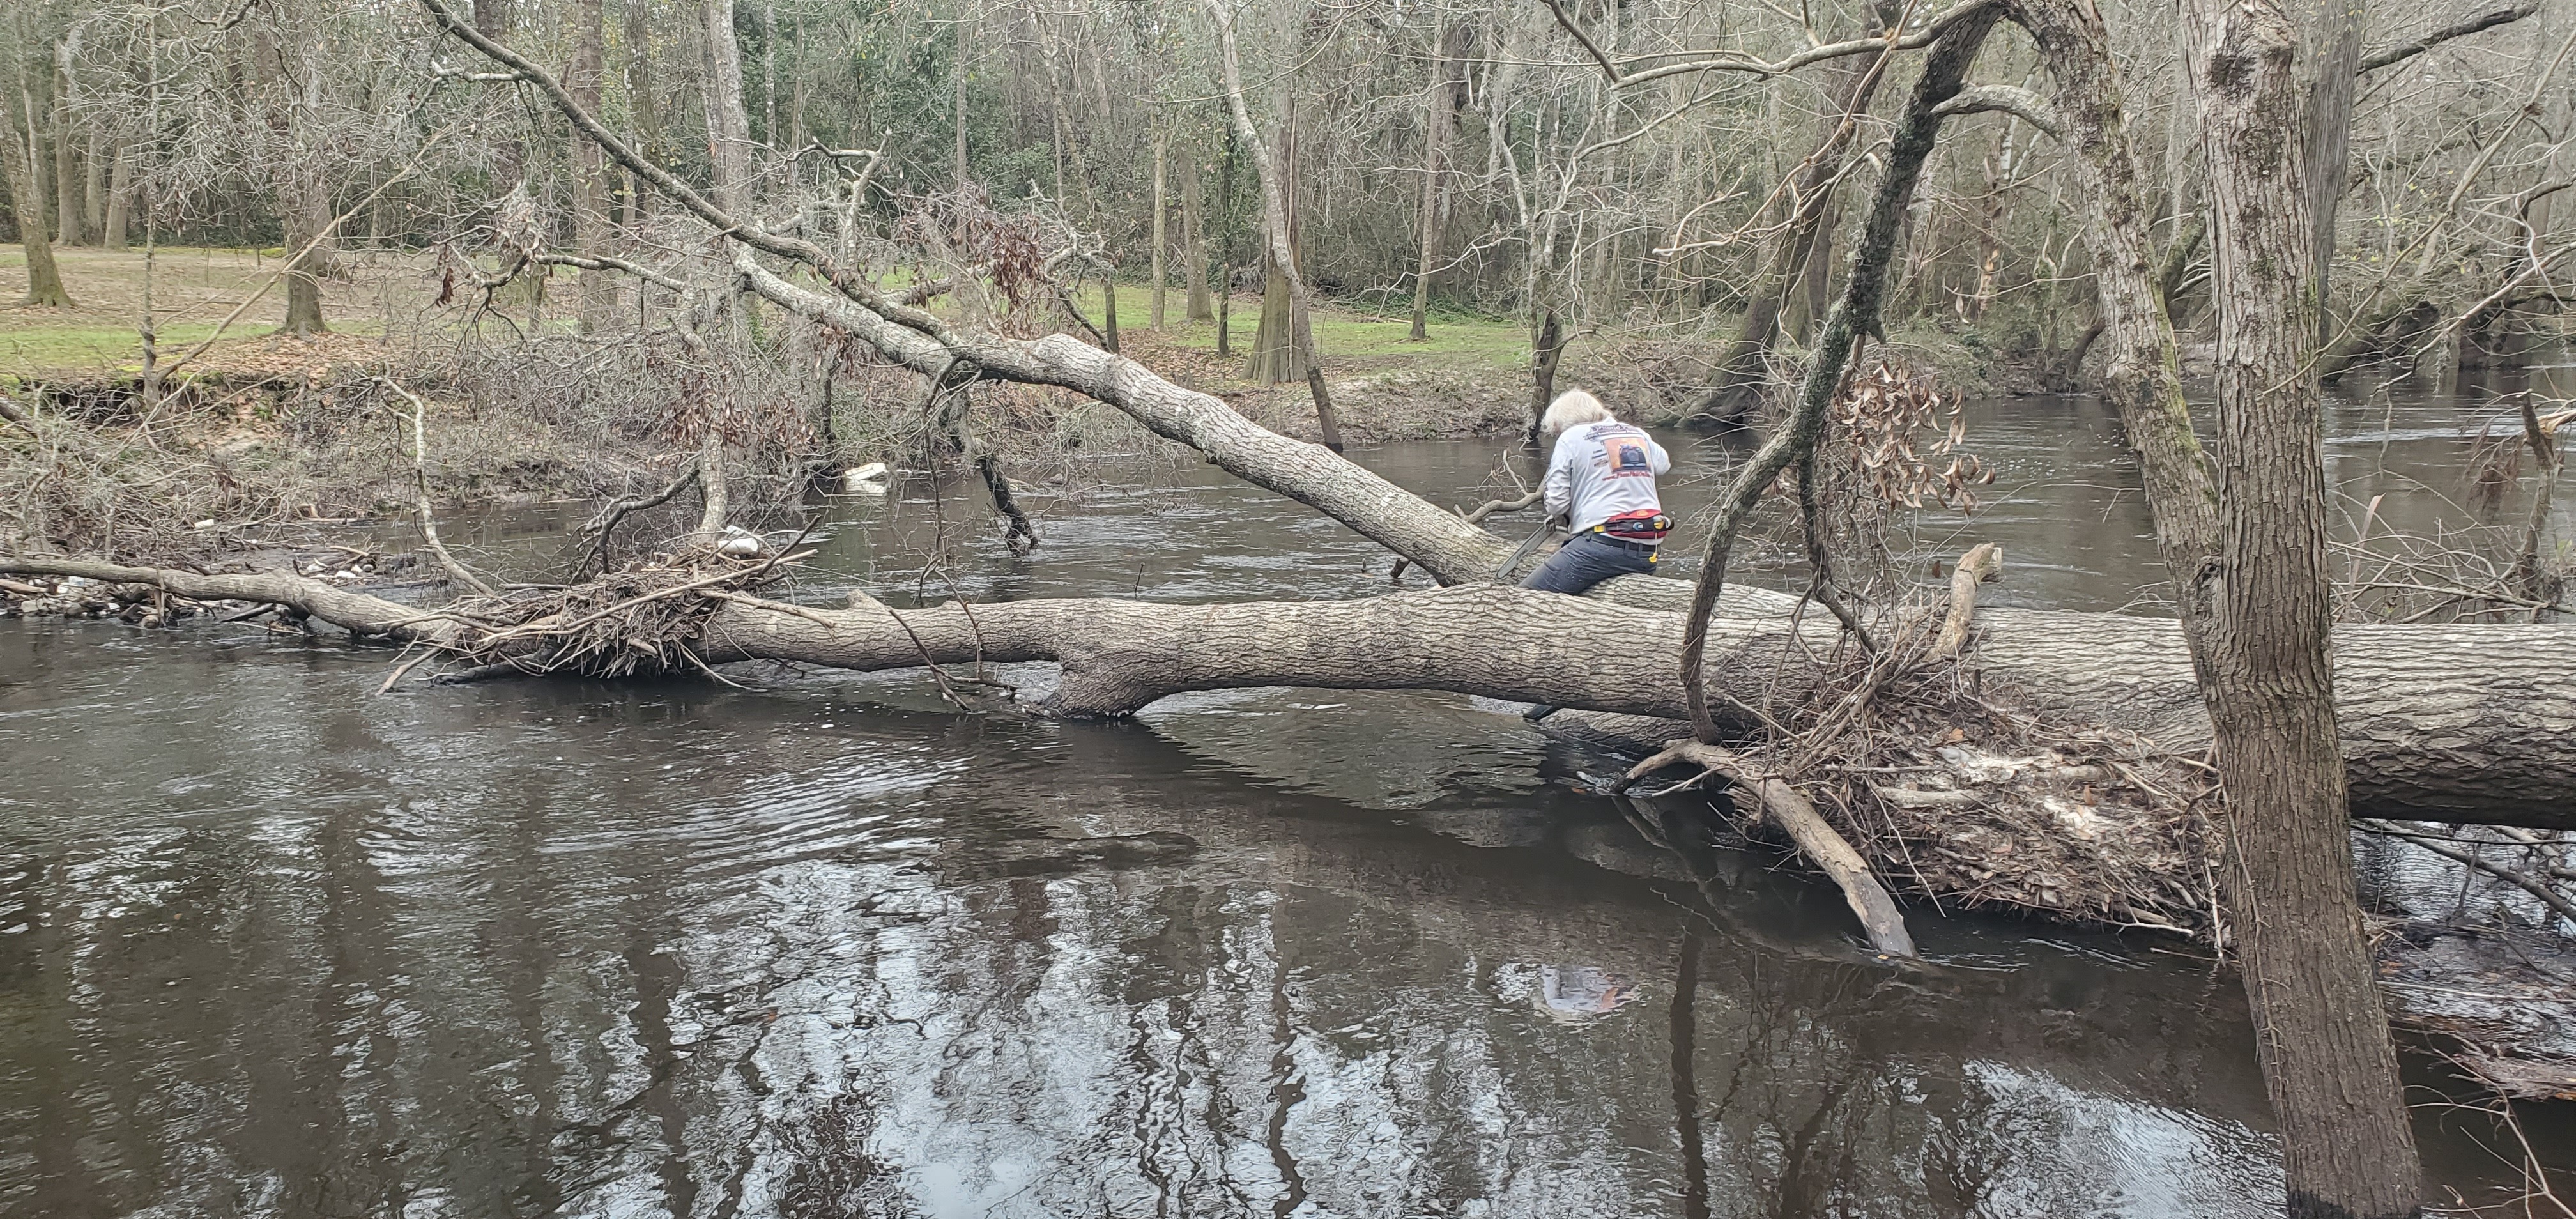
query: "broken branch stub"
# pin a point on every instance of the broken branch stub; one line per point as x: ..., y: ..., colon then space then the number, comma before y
x: 1983, y: 562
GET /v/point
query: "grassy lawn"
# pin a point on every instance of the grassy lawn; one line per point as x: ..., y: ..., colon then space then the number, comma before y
x: 33, y: 347
x: 1351, y: 341
x: 194, y: 288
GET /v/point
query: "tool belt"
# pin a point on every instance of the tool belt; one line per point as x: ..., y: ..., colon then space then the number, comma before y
x: 1648, y: 549
x: 1644, y: 525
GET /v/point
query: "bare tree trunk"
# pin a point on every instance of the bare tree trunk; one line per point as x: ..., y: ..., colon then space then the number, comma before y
x: 1439, y: 106
x: 304, y: 211
x: 492, y: 19
x: 1061, y: 122
x: 1547, y: 348
x: 2528, y: 577
x: 729, y: 156
x: 960, y: 73
x: 120, y: 195
x: 2000, y: 169
x: 26, y: 197
x: 585, y: 78
x: 1225, y: 250
x: 1194, y: 277
x: 1791, y: 251
x: 769, y: 74
x: 380, y: 216
x: 2337, y: 50
x: 1283, y: 246
x: 2323, y: 1039
x: 728, y: 127
x: 796, y: 133
x: 38, y: 201
x: 712, y: 483
x: 637, y: 76
x: 94, y: 186
x: 1109, y: 306
x: 67, y: 172
x: 303, y: 285
x: 1813, y: 294
x: 1225, y: 310
x: 1162, y: 153
x: 1276, y: 357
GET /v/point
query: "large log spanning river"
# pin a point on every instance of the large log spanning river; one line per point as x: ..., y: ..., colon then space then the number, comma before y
x: 826, y: 945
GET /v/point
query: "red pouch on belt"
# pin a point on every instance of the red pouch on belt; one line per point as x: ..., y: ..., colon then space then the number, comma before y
x: 1643, y: 525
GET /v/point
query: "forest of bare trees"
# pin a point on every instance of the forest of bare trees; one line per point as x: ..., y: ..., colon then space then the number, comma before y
x: 1459, y: 157
x: 740, y: 245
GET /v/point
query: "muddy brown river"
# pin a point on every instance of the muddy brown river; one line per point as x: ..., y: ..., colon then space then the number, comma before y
x: 825, y: 945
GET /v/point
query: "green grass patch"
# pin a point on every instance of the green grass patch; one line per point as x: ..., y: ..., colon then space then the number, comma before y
x: 192, y: 289
x: 77, y: 343
x: 1455, y: 339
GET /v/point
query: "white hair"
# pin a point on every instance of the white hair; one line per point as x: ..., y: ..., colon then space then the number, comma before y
x: 1574, y: 408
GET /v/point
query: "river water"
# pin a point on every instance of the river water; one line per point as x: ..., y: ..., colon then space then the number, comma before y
x: 824, y: 945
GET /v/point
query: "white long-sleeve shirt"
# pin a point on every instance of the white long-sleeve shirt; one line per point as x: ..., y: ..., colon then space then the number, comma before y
x: 1602, y: 470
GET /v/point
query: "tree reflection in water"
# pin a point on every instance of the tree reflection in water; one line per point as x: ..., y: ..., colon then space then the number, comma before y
x: 643, y: 950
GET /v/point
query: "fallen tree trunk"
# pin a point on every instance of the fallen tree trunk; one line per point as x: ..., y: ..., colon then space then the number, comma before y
x: 2049, y: 830
x: 2472, y: 724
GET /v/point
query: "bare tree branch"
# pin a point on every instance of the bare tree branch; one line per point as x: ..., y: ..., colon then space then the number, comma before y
x: 2489, y: 20
x: 1738, y: 61
x: 2021, y: 103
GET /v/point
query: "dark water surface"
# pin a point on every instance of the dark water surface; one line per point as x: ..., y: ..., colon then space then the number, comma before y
x: 270, y: 945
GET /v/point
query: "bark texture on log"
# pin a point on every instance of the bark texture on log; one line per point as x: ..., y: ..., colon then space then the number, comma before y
x: 2450, y: 723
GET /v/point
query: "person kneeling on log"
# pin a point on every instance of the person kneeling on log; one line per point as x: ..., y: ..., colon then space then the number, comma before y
x: 1601, y: 482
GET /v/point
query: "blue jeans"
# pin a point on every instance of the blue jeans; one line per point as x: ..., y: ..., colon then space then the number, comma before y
x: 1589, y: 559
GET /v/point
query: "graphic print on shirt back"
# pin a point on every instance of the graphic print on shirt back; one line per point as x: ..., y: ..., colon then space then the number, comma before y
x: 1626, y: 457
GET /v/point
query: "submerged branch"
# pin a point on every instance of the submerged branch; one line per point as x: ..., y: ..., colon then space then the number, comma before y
x: 1771, y: 800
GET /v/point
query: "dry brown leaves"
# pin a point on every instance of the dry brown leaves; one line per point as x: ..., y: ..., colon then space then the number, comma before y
x: 1877, y: 421
x: 1009, y: 246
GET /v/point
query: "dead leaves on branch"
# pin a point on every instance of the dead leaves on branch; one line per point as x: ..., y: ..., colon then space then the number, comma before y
x: 1009, y: 249
x: 1895, y: 431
